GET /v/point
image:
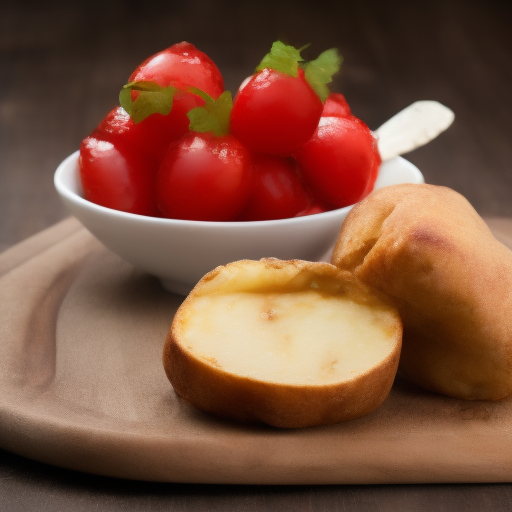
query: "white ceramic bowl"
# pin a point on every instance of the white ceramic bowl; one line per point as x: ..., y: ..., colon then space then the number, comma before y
x: 180, y: 252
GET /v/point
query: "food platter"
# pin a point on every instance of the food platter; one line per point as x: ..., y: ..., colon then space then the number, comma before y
x: 83, y: 387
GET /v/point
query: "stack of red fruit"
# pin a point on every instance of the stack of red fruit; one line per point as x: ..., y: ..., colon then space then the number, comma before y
x: 180, y: 147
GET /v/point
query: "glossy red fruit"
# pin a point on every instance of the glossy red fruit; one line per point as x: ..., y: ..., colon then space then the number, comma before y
x: 276, y: 190
x: 181, y: 65
x: 275, y: 113
x: 118, y: 127
x: 337, y: 162
x: 336, y: 105
x: 154, y: 134
x: 118, y: 177
x: 204, y: 177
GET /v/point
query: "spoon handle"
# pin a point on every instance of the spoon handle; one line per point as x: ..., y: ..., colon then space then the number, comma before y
x: 412, y: 127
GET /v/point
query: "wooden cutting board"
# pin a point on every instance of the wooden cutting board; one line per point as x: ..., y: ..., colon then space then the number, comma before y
x: 82, y: 386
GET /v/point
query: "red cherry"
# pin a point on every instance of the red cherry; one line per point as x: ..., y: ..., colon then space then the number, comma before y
x: 204, y: 177
x: 276, y: 191
x: 336, y: 106
x: 275, y: 113
x: 118, y: 177
x: 181, y: 65
x: 337, y: 162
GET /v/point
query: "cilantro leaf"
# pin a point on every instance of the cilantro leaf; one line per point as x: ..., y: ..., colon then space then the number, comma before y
x: 319, y: 72
x: 213, y: 116
x: 282, y: 58
x: 151, y: 98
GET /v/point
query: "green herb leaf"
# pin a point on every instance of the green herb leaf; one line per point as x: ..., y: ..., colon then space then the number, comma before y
x: 213, y: 116
x: 198, y: 92
x: 282, y: 58
x: 151, y: 99
x: 319, y: 72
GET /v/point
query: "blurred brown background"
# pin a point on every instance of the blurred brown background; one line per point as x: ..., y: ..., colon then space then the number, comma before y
x: 62, y: 65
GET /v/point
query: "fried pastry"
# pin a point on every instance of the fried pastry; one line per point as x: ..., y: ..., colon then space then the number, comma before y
x: 287, y: 343
x: 429, y: 251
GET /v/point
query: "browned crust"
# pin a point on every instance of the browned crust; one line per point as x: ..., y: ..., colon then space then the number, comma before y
x: 209, y: 388
x: 429, y: 251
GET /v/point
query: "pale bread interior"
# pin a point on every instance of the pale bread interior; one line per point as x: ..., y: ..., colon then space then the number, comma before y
x: 296, y: 336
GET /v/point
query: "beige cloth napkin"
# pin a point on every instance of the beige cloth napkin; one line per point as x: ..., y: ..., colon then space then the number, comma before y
x: 82, y: 386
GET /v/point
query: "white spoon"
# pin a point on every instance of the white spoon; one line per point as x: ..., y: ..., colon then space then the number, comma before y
x: 412, y: 127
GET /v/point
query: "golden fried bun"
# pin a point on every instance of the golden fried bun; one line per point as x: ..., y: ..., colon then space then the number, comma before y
x: 451, y: 280
x: 287, y: 343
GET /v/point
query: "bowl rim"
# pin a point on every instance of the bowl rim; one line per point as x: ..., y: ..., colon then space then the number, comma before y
x: 70, y: 164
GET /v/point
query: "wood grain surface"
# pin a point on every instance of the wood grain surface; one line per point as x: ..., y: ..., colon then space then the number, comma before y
x: 62, y: 66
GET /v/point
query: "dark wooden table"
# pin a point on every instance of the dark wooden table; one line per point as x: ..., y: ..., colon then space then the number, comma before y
x: 61, y: 69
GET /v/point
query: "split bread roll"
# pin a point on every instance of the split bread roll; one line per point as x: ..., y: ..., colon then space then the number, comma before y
x: 451, y: 280
x: 287, y: 343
